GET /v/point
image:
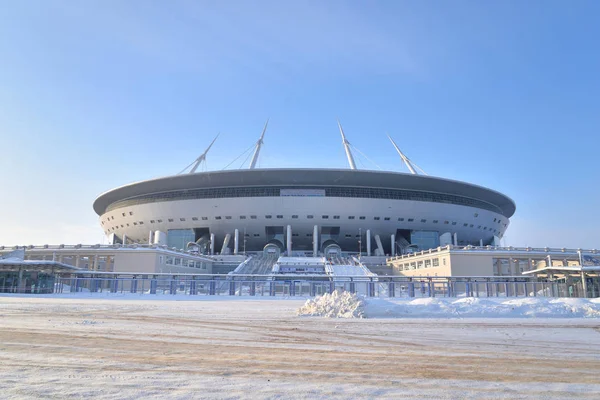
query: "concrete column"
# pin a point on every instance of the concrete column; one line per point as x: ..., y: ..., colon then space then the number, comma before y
x: 584, y: 285
x: 393, y: 252
x: 236, y: 241
x: 77, y: 261
x: 455, y: 237
x: 225, y: 247
x: 96, y: 262
x: 549, y: 260
x: 480, y: 242
x: 511, y: 267
x: 580, y: 257
x: 368, y: 242
x: 212, y: 244
x: 150, y: 237
x: 379, y: 250
x: 289, y: 240
x: 160, y: 238
x: 124, y: 240
x: 315, y: 240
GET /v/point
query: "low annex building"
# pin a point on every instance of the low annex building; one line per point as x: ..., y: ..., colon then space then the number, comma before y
x: 488, y: 260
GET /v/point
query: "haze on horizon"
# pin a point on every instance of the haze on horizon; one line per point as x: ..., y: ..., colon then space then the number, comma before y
x: 98, y: 94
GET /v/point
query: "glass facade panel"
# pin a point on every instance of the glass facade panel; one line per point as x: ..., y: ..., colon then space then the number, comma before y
x: 425, y: 239
x: 179, y: 238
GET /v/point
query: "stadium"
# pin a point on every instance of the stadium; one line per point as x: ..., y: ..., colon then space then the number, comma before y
x: 313, y: 211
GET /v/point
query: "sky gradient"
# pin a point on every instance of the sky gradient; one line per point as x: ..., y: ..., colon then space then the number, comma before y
x: 97, y: 94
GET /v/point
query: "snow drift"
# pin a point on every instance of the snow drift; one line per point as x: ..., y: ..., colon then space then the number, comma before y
x: 347, y: 305
x: 335, y: 305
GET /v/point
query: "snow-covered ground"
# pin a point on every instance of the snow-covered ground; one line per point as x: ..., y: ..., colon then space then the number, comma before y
x: 259, y: 348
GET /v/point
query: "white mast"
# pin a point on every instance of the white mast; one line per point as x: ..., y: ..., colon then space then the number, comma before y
x: 404, y: 158
x: 202, y: 156
x: 347, y: 148
x: 258, y: 145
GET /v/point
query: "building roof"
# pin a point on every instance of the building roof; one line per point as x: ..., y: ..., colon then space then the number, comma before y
x: 305, y: 177
x: 15, y: 264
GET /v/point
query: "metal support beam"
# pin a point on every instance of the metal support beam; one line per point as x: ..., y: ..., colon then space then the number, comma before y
x: 258, y: 146
x: 368, y: 242
x: 347, y: 148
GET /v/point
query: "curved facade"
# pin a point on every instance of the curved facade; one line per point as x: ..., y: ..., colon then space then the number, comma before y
x: 396, y: 209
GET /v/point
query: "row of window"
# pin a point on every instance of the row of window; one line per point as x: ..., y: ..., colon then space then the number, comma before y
x: 435, y: 221
x: 270, y: 191
x: 183, y: 262
x: 429, y: 263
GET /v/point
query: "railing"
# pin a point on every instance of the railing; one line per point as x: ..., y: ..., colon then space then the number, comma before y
x: 314, y: 285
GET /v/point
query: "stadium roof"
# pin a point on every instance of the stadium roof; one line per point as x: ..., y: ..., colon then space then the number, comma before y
x: 305, y: 177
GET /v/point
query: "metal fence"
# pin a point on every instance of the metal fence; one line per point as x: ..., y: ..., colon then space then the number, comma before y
x: 310, y: 286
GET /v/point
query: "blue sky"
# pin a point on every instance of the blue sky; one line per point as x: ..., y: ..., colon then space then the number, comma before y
x: 96, y: 94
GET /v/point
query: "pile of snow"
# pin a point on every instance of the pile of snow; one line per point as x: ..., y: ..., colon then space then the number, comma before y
x: 347, y: 305
x: 339, y: 304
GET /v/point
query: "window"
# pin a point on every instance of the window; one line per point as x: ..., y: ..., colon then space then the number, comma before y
x: 123, y: 214
x: 351, y: 217
x: 253, y: 217
x: 256, y: 234
x: 204, y: 218
x: 446, y: 222
x: 348, y: 236
x: 294, y: 217
x: 242, y: 217
x: 294, y: 234
x: 479, y: 227
x: 280, y: 216
x: 151, y: 221
x: 386, y: 218
x: 476, y: 215
x: 141, y: 222
x: 444, y: 261
x: 194, y: 218
x: 376, y: 218
x: 400, y: 219
x: 435, y: 221
x: 268, y: 216
x: 217, y: 217
x: 453, y: 223
x: 135, y: 223
x: 423, y: 220
x: 336, y: 217
x: 177, y: 261
x: 182, y: 219
x: 130, y: 213
x: 325, y: 216
x: 411, y: 220
x: 436, y: 262
x: 420, y: 265
x: 112, y: 217
x: 470, y: 226
x: 361, y: 217
x: 494, y: 219
x: 170, y: 219
x: 427, y: 263
x: 309, y: 235
x: 228, y: 217
x: 465, y: 224
x: 309, y: 216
